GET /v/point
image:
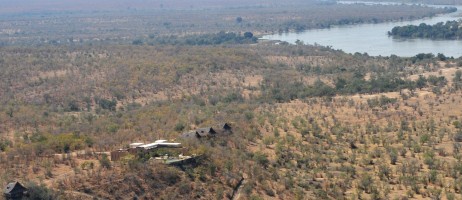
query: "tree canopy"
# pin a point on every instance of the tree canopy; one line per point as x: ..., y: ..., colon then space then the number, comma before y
x: 450, y: 30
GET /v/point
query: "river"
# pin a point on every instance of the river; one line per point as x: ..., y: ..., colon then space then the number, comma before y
x: 374, y: 40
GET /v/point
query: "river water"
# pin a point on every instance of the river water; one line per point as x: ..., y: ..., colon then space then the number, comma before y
x: 374, y: 40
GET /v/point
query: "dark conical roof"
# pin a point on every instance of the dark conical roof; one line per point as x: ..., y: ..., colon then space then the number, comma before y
x: 10, y: 187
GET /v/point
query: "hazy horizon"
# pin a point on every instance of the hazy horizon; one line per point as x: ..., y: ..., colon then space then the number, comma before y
x: 25, y: 6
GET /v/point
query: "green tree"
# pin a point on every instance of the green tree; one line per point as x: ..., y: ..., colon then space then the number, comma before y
x: 248, y: 35
x: 238, y: 19
x: 105, y: 162
x: 421, y: 82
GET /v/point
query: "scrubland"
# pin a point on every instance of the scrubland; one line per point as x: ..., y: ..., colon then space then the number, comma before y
x: 309, y: 122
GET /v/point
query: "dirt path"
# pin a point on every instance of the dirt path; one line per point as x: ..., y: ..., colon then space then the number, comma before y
x: 237, y: 192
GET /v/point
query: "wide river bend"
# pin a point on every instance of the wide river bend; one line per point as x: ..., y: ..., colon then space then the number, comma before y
x: 374, y: 40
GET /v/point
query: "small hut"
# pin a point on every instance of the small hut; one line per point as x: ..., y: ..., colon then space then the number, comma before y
x: 224, y: 128
x: 14, y: 190
x: 205, y: 132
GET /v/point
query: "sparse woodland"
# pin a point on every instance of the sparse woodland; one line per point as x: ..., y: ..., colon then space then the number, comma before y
x: 309, y: 122
x: 306, y: 123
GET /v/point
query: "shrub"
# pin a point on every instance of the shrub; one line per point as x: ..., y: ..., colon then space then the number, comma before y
x: 105, y: 162
x: 458, y: 137
x: 107, y: 104
x: 170, y: 176
x: 184, y: 188
x: 179, y: 126
x: 365, y: 183
x: 261, y: 159
x: 41, y: 192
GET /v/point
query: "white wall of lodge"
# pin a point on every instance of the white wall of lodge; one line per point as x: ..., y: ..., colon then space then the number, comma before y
x: 157, y: 143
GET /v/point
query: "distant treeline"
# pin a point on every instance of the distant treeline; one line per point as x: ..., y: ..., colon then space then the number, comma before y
x: 357, y: 84
x: 127, y: 25
x: 450, y: 30
x: 433, y: 2
x: 203, y: 39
